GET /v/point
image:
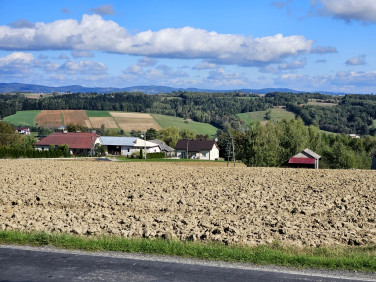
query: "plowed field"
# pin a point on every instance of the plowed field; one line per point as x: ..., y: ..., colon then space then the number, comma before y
x: 232, y: 205
x: 57, y: 118
x: 135, y: 121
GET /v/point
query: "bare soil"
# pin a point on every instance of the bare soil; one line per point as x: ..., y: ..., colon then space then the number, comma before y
x: 232, y: 205
x: 108, y: 122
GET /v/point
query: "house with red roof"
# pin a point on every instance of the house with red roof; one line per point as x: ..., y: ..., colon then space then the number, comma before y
x: 197, y: 149
x: 305, y: 158
x: 79, y: 143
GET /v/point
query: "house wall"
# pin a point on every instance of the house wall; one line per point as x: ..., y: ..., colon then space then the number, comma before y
x: 128, y: 150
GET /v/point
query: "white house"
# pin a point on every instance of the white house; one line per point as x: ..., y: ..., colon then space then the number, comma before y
x: 125, y: 146
x: 197, y: 149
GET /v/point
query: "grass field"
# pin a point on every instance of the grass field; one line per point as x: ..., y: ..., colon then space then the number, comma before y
x: 197, y: 127
x: 98, y: 114
x: 338, y: 258
x: 276, y: 115
x: 23, y: 118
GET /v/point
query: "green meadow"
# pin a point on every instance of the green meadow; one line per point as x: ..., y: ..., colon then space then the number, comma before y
x: 23, y: 118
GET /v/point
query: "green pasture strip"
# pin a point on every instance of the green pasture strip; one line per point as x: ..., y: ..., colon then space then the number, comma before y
x: 197, y: 127
x: 23, y: 118
x: 62, y: 118
x: 277, y: 114
x: 98, y: 113
x: 338, y: 258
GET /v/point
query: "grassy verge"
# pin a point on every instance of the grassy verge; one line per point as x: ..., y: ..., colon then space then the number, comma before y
x: 125, y: 159
x: 340, y: 258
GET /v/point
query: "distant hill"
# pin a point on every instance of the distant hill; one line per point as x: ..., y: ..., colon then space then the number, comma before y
x: 152, y: 89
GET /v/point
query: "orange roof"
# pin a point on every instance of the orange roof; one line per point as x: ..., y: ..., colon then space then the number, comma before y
x: 73, y: 140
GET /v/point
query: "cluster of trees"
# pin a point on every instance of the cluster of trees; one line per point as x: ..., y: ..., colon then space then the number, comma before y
x: 273, y: 145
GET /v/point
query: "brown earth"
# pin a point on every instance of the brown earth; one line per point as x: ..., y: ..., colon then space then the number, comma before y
x: 135, y: 121
x: 55, y: 118
x: 108, y: 122
x: 231, y: 205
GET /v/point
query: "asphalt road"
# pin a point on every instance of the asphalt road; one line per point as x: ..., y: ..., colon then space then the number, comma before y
x: 22, y: 263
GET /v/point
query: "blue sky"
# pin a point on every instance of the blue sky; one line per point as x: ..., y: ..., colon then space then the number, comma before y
x: 305, y: 45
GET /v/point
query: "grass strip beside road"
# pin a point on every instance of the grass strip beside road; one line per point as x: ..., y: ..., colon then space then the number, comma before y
x: 360, y: 258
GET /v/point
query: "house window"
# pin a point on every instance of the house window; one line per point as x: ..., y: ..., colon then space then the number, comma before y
x: 204, y: 154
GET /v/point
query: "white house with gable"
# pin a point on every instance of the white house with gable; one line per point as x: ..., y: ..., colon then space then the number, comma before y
x: 125, y: 146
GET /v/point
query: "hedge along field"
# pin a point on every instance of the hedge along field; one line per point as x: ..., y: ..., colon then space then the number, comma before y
x: 197, y: 127
x: 23, y: 118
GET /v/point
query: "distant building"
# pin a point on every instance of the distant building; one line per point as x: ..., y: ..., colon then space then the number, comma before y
x: 197, y: 149
x: 305, y: 158
x: 23, y: 130
x: 125, y: 146
x: 169, y: 152
x: 354, y: 136
x: 78, y: 143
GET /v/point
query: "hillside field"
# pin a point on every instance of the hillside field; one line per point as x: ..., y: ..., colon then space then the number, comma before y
x: 111, y: 120
x: 23, y: 118
x: 246, y: 206
x: 277, y: 114
x: 197, y: 127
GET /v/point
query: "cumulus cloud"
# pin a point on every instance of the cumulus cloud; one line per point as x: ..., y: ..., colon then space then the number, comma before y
x: 293, y: 65
x: 82, y: 54
x: 356, y: 61
x: 83, y: 68
x: 95, y: 33
x: 104, y: 10
x: 22, y: 24
x: 17, y: 63
x: 204, y: 65
x: 223, y: 78
x: 360, y: 10
x: 147, y: 62
x: 324, y: 50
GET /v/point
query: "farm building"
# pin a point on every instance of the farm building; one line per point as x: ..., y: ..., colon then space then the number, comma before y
x: 78, y: 143
x: 305, y: 158
x: 125, y: 146
x: 197, y: 149
x: 169, y: 152
x: 23, y: 130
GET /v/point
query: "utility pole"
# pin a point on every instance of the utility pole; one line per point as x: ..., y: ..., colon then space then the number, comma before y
x: 145, y: 145
x: 233, y: 150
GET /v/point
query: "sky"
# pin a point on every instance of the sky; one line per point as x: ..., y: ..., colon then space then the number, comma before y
x: 305, y: 45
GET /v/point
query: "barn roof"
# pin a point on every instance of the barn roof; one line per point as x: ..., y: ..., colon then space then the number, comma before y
x: 118, y: 141
x: 195, y: 145
x: 162, y: 145
x: 302, y: 160
x: 307, y: 153
x: 73, y: 140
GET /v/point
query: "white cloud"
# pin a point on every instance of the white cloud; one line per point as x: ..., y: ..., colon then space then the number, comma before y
x: 104, y: 10
x: 17, y: 64
x: 95, y: 33
x: 83, y: 67
x: 360, y: 10
x: 356, y: 61
x: 204, y: 65
x: 222, y: 78
x: 147, y: 62
x: 22, y: 24
x: 82, y: 54
x: 293, y: 65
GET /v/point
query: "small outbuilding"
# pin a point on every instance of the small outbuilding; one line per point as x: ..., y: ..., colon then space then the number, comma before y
x: 167, y: 150
x: 305, y: 158
x: 197, y: 149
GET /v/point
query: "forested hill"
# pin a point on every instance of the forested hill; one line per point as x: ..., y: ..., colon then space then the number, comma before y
x: 151, y: 89
x: 345, y: 114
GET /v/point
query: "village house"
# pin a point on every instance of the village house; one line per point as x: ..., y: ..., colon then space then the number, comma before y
x: 125, y: 146
x: 167, y: 150
x: 197, y: 149
x: 305, y: 158
x: 23, y: 130
x: 79, y: 143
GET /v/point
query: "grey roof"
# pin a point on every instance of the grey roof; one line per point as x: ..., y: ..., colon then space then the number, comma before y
x: 162, y: 145
x: 118, y: 141
x: 311, y: 153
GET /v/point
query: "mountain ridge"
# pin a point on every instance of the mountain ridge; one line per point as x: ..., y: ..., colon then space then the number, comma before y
x: 150, y: 89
